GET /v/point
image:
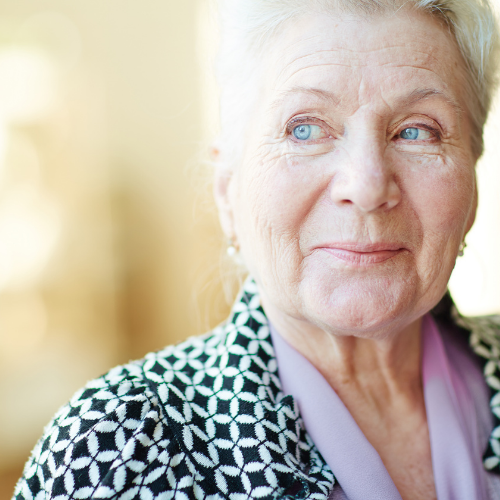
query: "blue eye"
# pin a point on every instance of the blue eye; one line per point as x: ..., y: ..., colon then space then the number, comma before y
x: 413, y: 134
x: 302, y: 132
x: 305, y: 132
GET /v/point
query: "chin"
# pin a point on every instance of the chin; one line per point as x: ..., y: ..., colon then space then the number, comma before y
x: 362, y: 307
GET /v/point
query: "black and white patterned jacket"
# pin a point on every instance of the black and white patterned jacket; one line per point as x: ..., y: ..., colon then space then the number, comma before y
x: 205, y: 419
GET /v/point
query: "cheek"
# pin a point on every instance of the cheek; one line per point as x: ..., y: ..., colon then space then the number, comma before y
x: 275, y: 197
x: 443, y: 199
x: 441, y: 195
x: 277, y: 194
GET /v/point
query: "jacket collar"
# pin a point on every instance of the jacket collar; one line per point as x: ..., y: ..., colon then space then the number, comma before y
x: 222, y: 398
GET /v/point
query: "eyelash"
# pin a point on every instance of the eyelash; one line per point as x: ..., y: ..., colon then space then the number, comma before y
x: 434, y: 131
x: 313, y: 121
x: 305, y: 120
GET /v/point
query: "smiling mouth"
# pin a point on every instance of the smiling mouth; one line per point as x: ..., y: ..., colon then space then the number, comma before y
x: 362, y: 255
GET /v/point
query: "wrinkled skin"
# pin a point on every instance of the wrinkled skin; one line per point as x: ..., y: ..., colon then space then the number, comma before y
x: 353, y: 233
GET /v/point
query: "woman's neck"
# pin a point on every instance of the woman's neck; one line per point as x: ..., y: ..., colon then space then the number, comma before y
x: 386, y: 371
x: 380, y: 383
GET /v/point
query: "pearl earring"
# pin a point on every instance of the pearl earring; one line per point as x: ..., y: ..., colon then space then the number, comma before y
x: 461, y: 249
x: 231, y: 249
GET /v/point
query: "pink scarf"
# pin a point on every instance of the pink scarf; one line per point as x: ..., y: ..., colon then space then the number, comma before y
x: 358, y: 468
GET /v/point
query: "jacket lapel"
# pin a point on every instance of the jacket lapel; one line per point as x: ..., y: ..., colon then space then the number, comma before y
x: 485, y: 342
x: 222, y: 398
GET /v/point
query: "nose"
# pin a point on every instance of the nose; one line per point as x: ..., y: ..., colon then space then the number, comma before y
x: 365, y: 179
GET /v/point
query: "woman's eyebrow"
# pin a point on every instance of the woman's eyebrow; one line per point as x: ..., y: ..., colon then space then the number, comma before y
x: 322, y: 94
x: 421, y: 94
x: 333, y: 99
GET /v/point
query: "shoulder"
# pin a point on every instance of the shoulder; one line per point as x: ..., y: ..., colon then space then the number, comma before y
x: 202, y: 419
x: 481, y: 332
x: 484, y: 333
x: 484, y: 341
x: 113, y: 436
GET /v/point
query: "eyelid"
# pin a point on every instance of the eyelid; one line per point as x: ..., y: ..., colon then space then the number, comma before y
x: 308, y: 120
x: 435, y: 130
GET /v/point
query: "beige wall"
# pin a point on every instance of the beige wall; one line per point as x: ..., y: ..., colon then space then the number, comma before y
x: 109, y: 246
x: 106, y: 248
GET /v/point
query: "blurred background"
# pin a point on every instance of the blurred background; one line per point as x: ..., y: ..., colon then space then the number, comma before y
x: 109, y: 241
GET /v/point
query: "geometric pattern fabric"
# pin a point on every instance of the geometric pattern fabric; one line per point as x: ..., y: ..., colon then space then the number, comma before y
x: 485, y: 342
x: 205, y: 419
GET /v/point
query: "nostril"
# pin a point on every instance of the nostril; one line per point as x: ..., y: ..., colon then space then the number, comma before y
x: 366, y: 193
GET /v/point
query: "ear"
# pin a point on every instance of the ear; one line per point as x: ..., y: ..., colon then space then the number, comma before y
x: 223, y: 181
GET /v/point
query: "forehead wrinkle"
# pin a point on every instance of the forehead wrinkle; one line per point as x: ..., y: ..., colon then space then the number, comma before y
x: 297, y: 71
x: 363, y: 54
x: 351, y: 64
x: 421, y: 59
x: 305, y: 56
x: 388, y: 64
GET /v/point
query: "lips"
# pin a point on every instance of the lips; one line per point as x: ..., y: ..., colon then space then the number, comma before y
x: 359, y: 254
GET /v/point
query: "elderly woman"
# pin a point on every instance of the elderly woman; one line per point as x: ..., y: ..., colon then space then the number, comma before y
x: 345, y: 181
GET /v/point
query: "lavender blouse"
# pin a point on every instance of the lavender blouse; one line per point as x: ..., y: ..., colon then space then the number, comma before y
x: 457, y: 405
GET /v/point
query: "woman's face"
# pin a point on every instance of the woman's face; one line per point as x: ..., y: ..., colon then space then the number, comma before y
x: 357, y: 180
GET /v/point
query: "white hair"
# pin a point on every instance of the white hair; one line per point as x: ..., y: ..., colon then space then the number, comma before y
x: 248, y: 25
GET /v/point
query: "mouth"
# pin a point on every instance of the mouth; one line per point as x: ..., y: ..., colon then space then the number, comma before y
x: 358, y: 254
